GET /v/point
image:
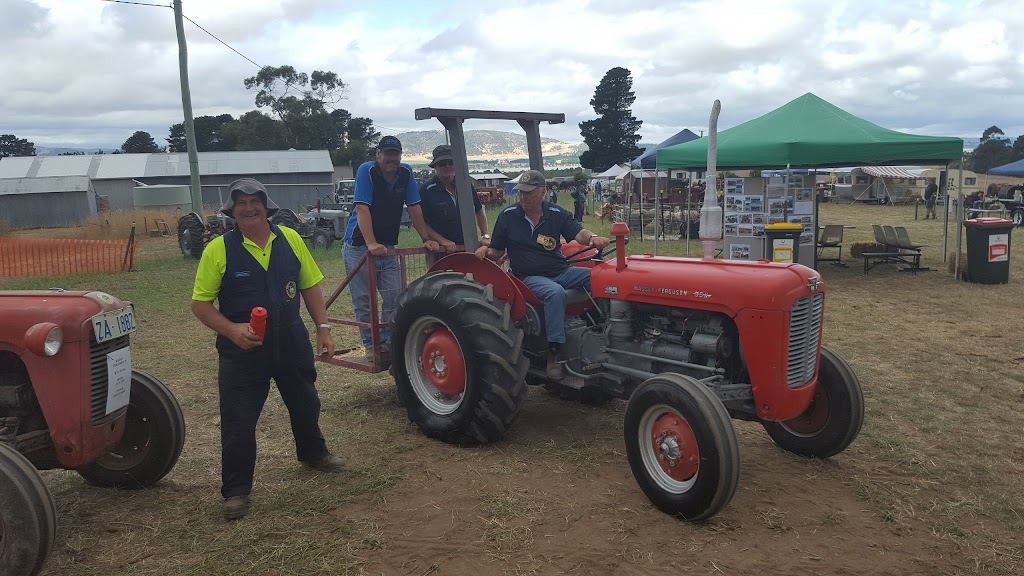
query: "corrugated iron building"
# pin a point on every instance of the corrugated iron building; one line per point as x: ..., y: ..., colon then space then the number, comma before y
x: 46, y: 201
x: 294, y: 178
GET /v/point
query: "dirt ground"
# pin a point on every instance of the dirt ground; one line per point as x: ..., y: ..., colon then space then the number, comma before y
x: 932, y: 486
x: 790, y: 516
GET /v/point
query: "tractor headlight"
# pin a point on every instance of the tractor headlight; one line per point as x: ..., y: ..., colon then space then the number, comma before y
x: 44, y: 339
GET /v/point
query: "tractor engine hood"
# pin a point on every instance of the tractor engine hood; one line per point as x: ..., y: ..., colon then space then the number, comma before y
x: 22, y: 309
x: 727, y: 286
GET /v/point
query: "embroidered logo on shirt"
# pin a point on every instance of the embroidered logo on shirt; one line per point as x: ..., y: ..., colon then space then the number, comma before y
x: 289, y: 289
x: 546, y: 241
x: 242, y: 274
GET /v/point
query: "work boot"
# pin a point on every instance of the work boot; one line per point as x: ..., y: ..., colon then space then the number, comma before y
x: 329, y: 464
x: 554, y: 369
x: 235, y: 507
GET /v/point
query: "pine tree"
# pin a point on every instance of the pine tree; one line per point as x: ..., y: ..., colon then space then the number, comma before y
x: 139, y: 142
x: 611, y: 137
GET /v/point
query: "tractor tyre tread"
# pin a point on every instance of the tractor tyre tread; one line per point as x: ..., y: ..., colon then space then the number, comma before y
x: 846, y: 399
x: 167, y: 437
x: 28, y: 520
x: 492, y: 346
x: 190, y: 235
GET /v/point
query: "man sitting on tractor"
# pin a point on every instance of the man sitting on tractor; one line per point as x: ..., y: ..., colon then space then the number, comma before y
x: 530, y: 232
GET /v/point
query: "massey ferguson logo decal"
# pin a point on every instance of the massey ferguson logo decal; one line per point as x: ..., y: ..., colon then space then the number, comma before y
x: 670, y: 291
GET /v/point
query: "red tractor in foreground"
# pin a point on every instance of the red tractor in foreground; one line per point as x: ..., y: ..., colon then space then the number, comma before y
x: 69, y: 398
x: 689, y: 343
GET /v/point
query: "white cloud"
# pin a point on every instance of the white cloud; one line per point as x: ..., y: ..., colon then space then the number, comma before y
x: 93, y: 72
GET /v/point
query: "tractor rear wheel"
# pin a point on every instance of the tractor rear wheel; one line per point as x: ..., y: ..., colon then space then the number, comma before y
x: 457, y: 359
x: 190, y: 235
x: 681, y: 446
x: 834, y: 417
x: 286, y: 217
x: 153, y: 437
x: 28, y: 516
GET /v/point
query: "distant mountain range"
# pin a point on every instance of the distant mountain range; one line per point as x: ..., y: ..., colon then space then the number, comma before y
x: 480, y: 145
x: 484, y: 144
x: 55, y: 151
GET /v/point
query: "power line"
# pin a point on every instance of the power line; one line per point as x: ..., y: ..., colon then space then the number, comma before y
x: 196, y: 24
x: 137, y: 3
x: 222, y: 42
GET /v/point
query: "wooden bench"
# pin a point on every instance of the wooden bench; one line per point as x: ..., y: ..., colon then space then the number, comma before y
x: 911, y: 259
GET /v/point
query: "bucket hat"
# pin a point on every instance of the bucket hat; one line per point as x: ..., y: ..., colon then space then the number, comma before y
x: 248, y: 186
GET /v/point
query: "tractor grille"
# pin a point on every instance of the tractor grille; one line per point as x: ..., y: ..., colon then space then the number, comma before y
x: 98, y: 380
x: 804, y: 332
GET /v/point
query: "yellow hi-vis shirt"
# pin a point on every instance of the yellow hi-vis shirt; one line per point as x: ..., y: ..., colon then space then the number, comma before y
x: 214, y: 263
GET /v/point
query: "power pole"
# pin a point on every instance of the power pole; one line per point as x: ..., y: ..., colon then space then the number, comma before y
x: 186, y: 105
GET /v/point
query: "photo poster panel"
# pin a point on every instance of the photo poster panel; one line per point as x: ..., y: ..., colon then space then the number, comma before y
x: 800, y: 210
x: 746, y: 213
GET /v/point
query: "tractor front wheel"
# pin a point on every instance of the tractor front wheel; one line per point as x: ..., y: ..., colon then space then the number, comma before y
x: 321, y: 240
x: 681, y: 446
x: 1018, y: 217
x: 28, y: 516
x: 457, y: 359
x: 190, y: 235
x: 153, y: 437
x: 834, y: 417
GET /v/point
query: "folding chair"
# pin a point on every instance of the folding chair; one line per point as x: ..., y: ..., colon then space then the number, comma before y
x: 890, y: 238
x: 903, y: 239
x: 831, y: 237
x: 879, y: 235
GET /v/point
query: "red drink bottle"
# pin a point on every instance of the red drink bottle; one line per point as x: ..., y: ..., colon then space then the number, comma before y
x: 258, y: 321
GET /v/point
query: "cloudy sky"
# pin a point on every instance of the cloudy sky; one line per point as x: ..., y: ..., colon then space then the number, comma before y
x: 90, y: 72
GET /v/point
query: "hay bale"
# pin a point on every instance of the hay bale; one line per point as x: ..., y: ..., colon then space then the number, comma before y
x: 859, y: 248
x: 951, y: 264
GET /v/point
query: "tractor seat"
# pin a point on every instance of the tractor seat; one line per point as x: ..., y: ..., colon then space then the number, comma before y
x: 576, y: 297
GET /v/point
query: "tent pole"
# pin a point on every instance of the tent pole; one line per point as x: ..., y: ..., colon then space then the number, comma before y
x: 658, y: 221
x: 961, y: 211
x: 942, y: 181
x: 815, y: 224
x: 641, y: 205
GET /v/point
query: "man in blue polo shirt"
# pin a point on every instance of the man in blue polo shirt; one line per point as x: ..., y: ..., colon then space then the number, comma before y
x: 440, y: 203
x: 383, y: 186
x: 530, y: 232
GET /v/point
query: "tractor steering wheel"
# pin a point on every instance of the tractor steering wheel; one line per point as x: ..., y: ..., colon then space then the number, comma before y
x: 598, y: 256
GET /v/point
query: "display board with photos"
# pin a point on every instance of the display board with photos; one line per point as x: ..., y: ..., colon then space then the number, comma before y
x: 752, y: 203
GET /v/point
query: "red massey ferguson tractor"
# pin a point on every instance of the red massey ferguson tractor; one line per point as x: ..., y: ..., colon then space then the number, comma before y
x: 69, y: 398
x: 689, y: 344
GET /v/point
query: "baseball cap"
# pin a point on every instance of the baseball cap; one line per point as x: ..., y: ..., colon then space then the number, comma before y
x: 248, y: 186
x: 441, y: 153
x: 530, y: 180
x: 389, y: 143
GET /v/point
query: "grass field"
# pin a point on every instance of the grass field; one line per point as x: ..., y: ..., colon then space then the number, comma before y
x: 933, y: 485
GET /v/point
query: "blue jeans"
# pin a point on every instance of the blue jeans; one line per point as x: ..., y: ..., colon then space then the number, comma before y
x: 551, y: 293
x: 389, y: 280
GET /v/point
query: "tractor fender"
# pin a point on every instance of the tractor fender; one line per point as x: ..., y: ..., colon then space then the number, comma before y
x: 506, y: 287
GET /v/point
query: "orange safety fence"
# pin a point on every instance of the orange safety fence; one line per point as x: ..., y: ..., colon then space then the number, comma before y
x: 26, y: 257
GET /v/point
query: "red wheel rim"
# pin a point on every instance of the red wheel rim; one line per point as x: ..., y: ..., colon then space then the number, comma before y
x: 443, y: 363
x: 814, y: 418
x: 676, y: 447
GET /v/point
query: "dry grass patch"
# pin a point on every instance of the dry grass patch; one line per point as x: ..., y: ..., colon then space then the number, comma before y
x: 932, y: 485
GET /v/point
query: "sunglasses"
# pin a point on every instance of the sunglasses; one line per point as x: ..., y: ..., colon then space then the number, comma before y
x: 444, y: 164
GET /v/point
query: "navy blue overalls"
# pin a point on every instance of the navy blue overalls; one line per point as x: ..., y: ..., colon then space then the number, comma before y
x: 286, y: 356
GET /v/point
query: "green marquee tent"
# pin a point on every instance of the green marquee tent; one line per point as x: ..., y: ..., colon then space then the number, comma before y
x: 810, y: 132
